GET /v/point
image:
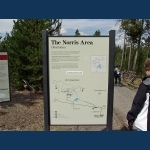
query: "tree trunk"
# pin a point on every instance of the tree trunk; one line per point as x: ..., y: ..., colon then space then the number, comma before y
x: 59, y: 29
x: 125, y: 55
x: 147, y: 53
x: 122, y: 59
x: 123, y: 52
x: 129, y: 57
x: 135, y: 59
x: 139, y: 43
x: 136, y: 54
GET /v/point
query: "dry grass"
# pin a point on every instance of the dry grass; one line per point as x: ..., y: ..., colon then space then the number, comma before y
x: 133, y: 85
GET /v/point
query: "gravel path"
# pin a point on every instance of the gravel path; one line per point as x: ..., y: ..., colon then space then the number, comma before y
x: 123, y: 98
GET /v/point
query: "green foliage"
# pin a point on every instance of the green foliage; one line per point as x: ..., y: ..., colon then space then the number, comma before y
x: 77, y: 33
x: 97, y: 33
x: 133, y: 28
x: 118, y: 53
x: 25, y: 50
x: 136, y: 30
x: 140, y: 61
x: 142, y: 55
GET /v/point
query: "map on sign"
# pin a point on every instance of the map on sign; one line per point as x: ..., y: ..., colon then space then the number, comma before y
x: 98, y: 63
x: 71, y: 96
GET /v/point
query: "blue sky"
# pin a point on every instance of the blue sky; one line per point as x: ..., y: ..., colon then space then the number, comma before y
x: 69, y: 26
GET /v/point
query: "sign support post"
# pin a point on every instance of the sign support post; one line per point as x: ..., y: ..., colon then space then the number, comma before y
x: 45, y: 80
x: 111, y: 79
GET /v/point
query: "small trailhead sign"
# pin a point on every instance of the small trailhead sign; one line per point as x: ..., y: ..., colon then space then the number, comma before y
x: 4, y: 77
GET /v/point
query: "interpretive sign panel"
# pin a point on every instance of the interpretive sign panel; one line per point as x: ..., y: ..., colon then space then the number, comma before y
x: 78, y: 79
x: 78, y: 82
x: 4, y: 78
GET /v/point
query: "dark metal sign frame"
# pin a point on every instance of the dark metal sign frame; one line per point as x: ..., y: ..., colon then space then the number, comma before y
x: 46, y: 79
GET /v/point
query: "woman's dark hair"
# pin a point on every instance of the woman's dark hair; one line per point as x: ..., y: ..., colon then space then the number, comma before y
x: 147, y: 64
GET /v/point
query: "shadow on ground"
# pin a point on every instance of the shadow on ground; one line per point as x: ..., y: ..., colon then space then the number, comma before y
x: 23, y: 98
x: 123, y: 128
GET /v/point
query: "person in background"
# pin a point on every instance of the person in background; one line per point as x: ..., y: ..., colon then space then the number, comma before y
x: 117, y: 75
x: 139, y: 115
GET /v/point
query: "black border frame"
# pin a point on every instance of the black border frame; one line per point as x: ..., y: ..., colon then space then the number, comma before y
x: 46, y: 79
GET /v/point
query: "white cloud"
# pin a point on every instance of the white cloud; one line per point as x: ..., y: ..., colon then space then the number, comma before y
x: 85, y: 27
x: 119, y: 39
x: 63, y: 31
x: 89, y: 26
x: 6, y: 25
x: 103, y: 25
x: 83, y: 23
x: 82, y: 33
x: 120, y: 42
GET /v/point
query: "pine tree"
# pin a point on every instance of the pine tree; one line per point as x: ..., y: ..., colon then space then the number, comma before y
x: 25, y: 50
x: 77, y: 33
x: 97, y: 33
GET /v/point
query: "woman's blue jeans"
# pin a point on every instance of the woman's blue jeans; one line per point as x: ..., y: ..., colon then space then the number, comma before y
x: 137, y: 129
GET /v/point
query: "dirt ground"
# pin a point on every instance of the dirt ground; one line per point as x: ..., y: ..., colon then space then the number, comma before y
x: 24, y: 112
x: 129, y: 81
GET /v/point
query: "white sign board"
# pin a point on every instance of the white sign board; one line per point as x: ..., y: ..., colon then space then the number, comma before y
x: 78, y: 80
x: 4, y: 78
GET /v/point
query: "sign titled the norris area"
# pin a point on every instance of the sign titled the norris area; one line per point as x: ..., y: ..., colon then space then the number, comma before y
x: 78, y: 68
x: 78, y: 79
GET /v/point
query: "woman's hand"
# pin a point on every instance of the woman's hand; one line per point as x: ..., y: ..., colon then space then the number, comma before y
x: 127, y: 124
